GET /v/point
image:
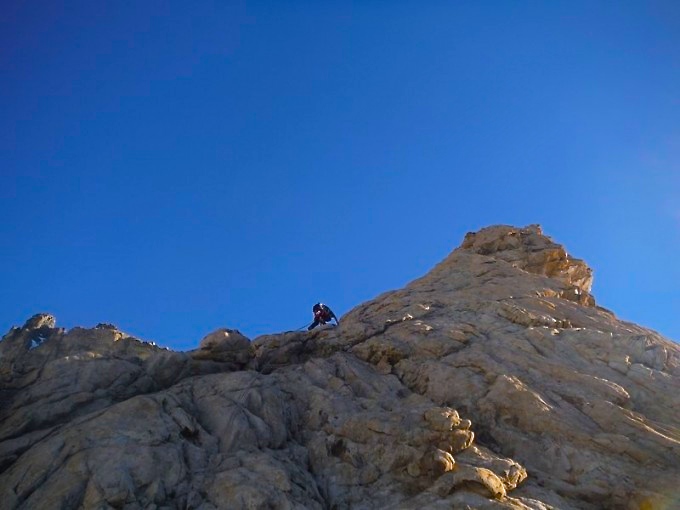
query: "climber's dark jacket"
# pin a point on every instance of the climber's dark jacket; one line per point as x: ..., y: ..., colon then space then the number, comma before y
x: 322, y: 315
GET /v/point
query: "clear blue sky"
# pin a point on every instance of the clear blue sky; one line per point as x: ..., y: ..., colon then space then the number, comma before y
x: 173, y: 167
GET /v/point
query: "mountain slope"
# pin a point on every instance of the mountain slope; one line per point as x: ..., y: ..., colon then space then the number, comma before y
x: 494, y: 381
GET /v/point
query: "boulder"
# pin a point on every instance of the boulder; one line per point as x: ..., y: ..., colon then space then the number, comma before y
x: 224, y: 345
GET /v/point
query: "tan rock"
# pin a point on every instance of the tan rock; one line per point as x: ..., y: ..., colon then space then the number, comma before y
x: 491, y: 382
x: 475, y: 478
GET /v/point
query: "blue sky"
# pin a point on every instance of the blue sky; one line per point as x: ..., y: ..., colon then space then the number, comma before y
x: 175, y: 167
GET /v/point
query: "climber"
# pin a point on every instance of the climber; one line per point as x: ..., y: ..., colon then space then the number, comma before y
x: 322, y: 315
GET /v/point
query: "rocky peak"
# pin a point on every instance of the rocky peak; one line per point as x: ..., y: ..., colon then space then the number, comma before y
x: 19, y: 341
x: 40, y: 320
x: 488, y: 383
x: 529, y: 249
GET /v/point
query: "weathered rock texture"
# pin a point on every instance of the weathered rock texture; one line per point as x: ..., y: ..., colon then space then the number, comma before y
x: 492, y: 382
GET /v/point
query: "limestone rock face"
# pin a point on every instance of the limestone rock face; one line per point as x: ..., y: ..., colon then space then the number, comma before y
x: 527, y: 248
x: 494, y: 381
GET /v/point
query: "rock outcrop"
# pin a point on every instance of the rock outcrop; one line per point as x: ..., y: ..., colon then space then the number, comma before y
x: 494, y: 381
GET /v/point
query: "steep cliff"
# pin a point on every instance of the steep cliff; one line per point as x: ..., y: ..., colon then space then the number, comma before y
x: 494, y: 381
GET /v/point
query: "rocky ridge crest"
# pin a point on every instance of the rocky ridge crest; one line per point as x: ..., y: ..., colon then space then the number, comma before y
x: 494, y: 381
